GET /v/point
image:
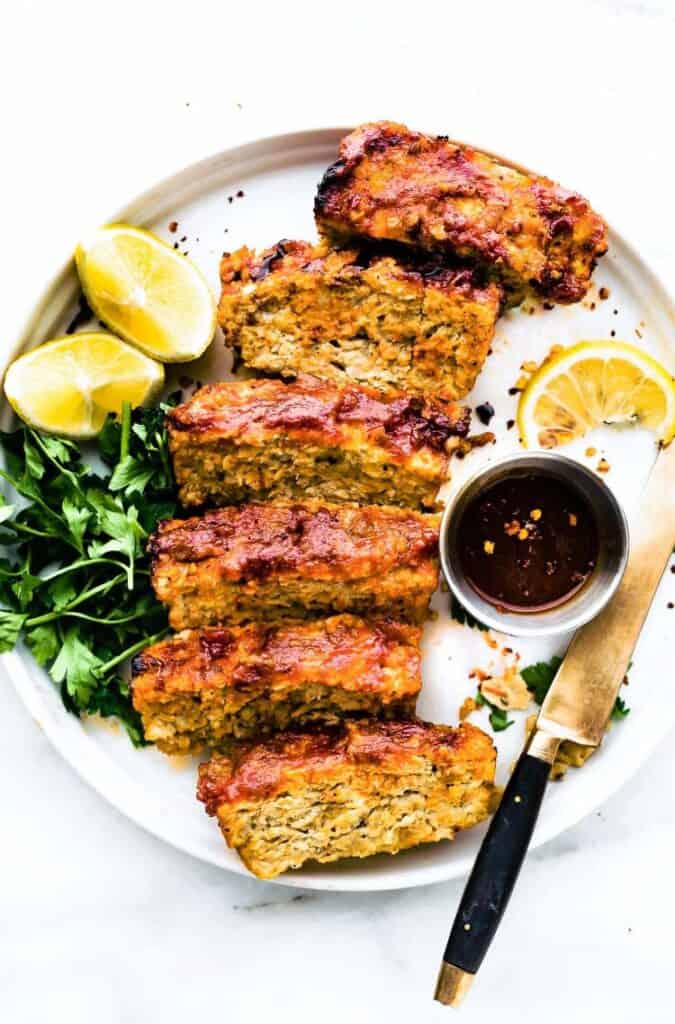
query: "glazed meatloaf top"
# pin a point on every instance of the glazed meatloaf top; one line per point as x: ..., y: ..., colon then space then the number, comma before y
x: 394, y: 184
x: 321, y: 540
x: 344, y: 651
x: 406, y: 270
x: 315, y: 411
x: 255, y: 772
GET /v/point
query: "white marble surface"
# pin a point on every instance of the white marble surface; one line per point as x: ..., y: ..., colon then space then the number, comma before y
x: 101, y: 923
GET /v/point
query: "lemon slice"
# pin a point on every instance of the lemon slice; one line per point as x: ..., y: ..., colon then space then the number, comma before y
x: 146, y: 292
x: 591, y: 383
x: 69, y: 385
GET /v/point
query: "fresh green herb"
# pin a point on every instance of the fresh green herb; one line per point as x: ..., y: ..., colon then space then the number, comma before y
x: 619, y: 710
x: 464, y: 617
x: 499, y: 720
x: 538, y: 678
x: 75, y: 586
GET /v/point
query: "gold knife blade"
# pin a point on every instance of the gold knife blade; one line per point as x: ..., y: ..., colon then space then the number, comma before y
x: 582, y: 695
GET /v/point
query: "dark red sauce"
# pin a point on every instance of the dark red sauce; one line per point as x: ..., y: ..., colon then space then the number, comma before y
x: 528, y: 542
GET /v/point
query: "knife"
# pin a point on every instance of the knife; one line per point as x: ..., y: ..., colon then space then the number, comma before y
x: 577, y: 707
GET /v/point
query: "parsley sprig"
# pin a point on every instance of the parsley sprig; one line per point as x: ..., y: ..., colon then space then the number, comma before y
x: 74, y: 585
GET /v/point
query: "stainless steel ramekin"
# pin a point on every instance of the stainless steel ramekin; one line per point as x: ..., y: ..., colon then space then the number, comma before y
x: 612, y: 555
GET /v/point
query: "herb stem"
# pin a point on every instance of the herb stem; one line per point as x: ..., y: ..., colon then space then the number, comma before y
x: 39, y: 620
x: 126, y: 430
x: 106, y: 622
x: 22, y: 528
x: 82, y: 563
x: 130, y: 651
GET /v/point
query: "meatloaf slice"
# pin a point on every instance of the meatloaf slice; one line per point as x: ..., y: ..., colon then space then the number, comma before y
x: 385, y: 319
x: 262, y: 439
x: 267, y: 563
x: 423, y: 191
x: 373, y: 787
x: 201, y: 687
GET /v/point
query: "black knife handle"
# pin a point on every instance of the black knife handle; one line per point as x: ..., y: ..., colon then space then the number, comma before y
x: 497, y: 865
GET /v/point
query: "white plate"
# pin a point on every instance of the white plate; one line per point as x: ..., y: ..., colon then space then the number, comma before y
x: 278, y: 177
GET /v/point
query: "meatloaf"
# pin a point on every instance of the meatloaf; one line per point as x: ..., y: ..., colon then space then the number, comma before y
x: 202, y: 687
x: 267, y: 563
x: 256, y: 440
x: 397, y: 185
x: 373, y: 787
x: 391, y: 321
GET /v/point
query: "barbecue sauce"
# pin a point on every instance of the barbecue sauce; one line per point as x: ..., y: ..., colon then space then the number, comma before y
x: 527, y: 543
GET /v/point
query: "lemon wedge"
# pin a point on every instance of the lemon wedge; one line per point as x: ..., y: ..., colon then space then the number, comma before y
x: 592, y: 383
x: 146, y: 292
x: 69, y: 385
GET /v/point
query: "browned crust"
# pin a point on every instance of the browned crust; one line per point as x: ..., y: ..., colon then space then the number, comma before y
x: 342, y: 652
x: 313, y: 411
x: 319, y: 540
x: 255, y: 772
x: 290, y: 257
x: 394, y: 184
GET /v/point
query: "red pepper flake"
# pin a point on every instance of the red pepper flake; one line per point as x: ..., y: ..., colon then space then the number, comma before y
x: 603, y: 293
x: 173, y: 226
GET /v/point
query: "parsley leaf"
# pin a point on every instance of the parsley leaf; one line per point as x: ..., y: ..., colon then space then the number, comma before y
x: 43, y: 643
x: 11, y: 624
x: 464, y: 617
x: 538, y: 677
x: 76, y: 516
x: 499, y: 720
x: 619, y: 710
x: 131, y: 476
x: 76, y: 664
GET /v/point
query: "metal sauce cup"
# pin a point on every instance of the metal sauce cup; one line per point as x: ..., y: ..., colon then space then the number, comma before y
x: 613, y: 546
